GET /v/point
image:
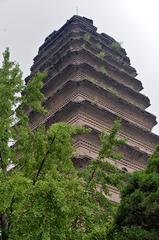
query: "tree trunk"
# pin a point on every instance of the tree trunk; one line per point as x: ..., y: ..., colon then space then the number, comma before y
x: 4, y: 227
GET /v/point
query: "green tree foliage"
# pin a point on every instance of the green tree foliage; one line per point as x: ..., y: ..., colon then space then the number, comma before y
x: 44, y: 197
x: 99, y: 174
x: 14, y: 126
x: 138, y: 214
x: 13, y: 92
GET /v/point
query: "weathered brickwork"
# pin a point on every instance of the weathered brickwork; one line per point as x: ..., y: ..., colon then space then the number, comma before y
x: 91, y: 83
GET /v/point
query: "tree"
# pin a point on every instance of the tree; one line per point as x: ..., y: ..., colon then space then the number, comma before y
x: 14, y: 125
x: 138, y: 214
x: 44, y: 196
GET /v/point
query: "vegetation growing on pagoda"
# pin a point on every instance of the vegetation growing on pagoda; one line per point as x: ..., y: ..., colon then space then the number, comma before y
x: 99, y: 46
x: 116, y: 46
x: 101, y: 55
x: 87, y: 37
x: 103, y: 70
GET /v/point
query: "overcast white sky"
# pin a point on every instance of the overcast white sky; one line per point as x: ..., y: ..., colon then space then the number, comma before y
x: 24, y: 24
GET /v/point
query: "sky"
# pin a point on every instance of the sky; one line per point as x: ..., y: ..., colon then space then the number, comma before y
x: 24, y: 24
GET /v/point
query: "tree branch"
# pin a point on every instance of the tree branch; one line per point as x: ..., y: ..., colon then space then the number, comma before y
x: 92, y: 176
x: 42, y: 162
x: 93, y: 172
x: 11, y: 210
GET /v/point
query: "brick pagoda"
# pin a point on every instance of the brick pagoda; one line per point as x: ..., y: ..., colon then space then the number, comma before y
x: 90, y: 83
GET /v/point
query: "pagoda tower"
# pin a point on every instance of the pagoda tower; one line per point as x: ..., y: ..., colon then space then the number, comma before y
x: 90, y: 83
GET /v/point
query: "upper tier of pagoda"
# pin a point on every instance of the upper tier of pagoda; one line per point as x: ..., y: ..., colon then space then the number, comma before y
x: 75, y: 28
x: 78, y: 44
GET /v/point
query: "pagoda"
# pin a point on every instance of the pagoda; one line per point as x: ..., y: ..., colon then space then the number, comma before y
x: 91, y: 83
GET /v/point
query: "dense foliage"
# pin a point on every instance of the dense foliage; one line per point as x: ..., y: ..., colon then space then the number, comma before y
x: 44, y: 196
x: 138, y: 214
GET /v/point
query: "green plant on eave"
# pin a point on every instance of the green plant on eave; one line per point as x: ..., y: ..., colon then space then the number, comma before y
x: 101, y: 55
x: 116, y: 45
x: 108, y: 88
x: 113, y: 91
x: 87, y: 37
x: 98, y: 45
x: 93, y: 80
x: 95, y: 100
x: 83, y: 45
x: 104, y: 86
x: 103, y: 70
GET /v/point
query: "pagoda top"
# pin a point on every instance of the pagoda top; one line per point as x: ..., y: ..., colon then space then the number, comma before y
x: 85, y: 22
